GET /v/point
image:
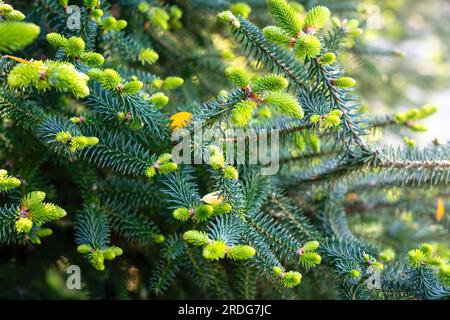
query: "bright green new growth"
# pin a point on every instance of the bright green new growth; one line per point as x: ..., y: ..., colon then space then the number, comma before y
x: 426, y: 111
x: 222, y: 95
x: 355, y: 274
x: 269, y: 82
x: 423, y: 257
x: 90, y: 3
x: 314, y: 142
x: 49, y: 74
x: 345, y: 82
x: 288, y: 279
x: 330, y: 120
x: 216, y: 159
x: 63, y: 136
x: 240, y: 252
x: 372, y: 262
x: 143, y: 6
x: 163, y: 165
x: 8, y: 13
x: 81, y: 142
x: 84, y: 248
x: 76, y: 143
x: 277, y: 35
x: 196, y: 238
x: 231, y: 173
x: 410, y: 143
x: 165, y: 157
x: 416, y: 258
x: 111, y: 24
x: 242, y: 112
x: 159, y: 99
x: 222, y: 208
x: 264, y: 113
x: 97, y: 260
x: 311, y: 245
x: 217, y: 162
x: 307, y: 46
x: 23, y: 225
x: 203, y: 212
x: 181, y: 214
x: 307, y: 257
x: 241, y: 8
x: 16, y: 35
x: 289, y: 31
x: 351, y: 27
x: 418, y: 127
x: 5, y: 8
x: 328, y: 58
x: 444, y: 275
x: 121, y: 24
x: 310, y: 259
x: 291, y: 279
x: 96, y: 14
x: 299, y: 141
x: 159, y: 238
x: 171, y: 83
x: 92, y: 59
x: 237, y: 76
x: 34, y: 212
x: 160, y: 18
x: 97, y: 256
x: 112, y: 252
x: 277, y: 271
x: 317, y: 17
x: 229, y: 18
x: 297, y: 7
x: 74, y: 49
x: 215, y: 250
x: 7, y: 182
x: 132, y: 87
x: 109, y: 78
x: 415, y: 113
x: 284, y: 103
x: 168, y: 167
x: 148, y: 56
x: 427, y: 249
x: 265, y: 91
x: 175, y: 12
x: 43, y: 232
x: 387, y: 255
x: 285, y: 16
x: 315, y: 118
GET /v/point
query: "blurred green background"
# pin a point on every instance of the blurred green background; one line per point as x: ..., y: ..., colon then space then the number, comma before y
x: 420, y: 30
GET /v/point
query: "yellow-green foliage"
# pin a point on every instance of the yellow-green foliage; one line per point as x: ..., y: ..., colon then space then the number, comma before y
x: 284, y: 103
x: 8, y: 182
x: 317, y: 17
x: 285, y: 16
x: 16, y: 35
x: 44, y: 75
x: 33, y: 212
x: 307, y: 46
